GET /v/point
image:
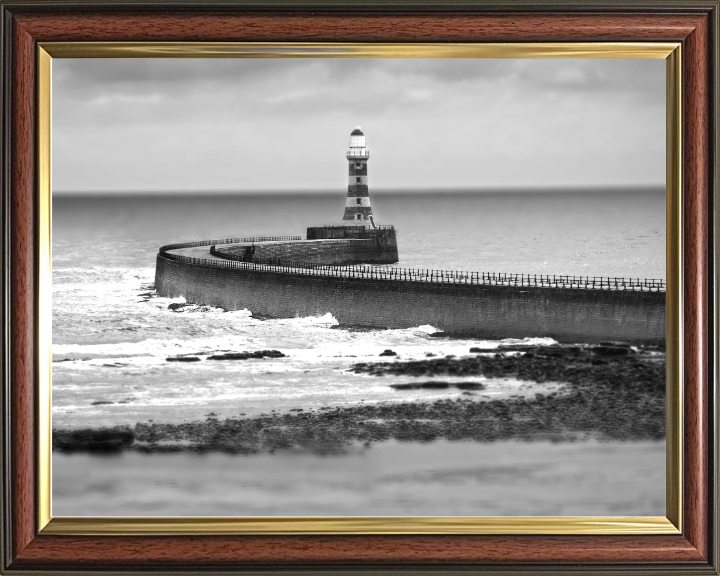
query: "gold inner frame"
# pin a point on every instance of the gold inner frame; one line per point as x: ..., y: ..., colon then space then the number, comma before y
x: 670, y: 524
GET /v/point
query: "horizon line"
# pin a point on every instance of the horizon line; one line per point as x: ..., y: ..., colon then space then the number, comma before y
x: 328, y: 191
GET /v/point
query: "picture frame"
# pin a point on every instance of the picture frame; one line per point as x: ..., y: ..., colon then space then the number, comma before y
x: 687, y: 540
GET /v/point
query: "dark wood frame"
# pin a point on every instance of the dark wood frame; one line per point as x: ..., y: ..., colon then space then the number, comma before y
x: 694, y: 23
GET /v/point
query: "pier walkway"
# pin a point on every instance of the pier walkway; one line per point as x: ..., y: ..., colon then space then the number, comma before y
x: 200, y: 253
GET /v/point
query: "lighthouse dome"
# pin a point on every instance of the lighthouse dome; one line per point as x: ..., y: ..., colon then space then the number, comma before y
x: 357, y: 138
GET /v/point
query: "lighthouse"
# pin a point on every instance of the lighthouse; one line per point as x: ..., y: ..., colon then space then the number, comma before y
x: 357, y: 204
x: 363, y: 241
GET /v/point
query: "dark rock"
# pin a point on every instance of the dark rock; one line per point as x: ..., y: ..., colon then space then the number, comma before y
x: 258, y: 354
x: 176, y: 306
x: 404, y: 386
x: 102, y: 440
x: 100, y: 402
x: 610, y: 350
x: 388, y: 353
x: 434, y: 385
x: 470, y: 386
x: 508, y: 348
x: 553, y: 352
x: 421, y: 386
x: 182, y: 359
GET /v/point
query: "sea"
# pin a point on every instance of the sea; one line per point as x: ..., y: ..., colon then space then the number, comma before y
x: 112, y: 334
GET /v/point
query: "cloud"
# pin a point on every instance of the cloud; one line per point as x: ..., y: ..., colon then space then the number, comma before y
x: 88, y: 74
x: 253, y: 124
x: 636, y: 77
x: 91, y: 75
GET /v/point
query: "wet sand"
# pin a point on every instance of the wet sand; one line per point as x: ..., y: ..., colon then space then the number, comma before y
x: 390, y: 479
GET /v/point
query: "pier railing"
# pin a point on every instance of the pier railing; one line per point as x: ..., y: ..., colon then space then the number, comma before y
x: 414, y: 274
x: 360, y: 226
x: 244, y: 240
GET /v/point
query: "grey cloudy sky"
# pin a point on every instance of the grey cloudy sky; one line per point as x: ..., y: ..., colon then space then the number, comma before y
x: 284, y: 124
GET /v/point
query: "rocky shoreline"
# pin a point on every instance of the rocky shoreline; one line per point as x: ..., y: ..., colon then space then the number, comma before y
x: 610, y: 392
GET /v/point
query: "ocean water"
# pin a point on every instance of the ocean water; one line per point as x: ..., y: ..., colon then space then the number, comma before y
x: 112, y: 335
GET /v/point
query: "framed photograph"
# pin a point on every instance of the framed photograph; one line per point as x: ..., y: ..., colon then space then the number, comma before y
x: 237, y: 341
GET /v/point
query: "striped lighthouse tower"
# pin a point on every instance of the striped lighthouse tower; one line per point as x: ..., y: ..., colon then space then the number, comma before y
x: 357, y: 205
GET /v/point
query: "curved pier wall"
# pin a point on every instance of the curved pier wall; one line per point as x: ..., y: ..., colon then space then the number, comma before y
x: 567, y: 315
x: 329, y: 252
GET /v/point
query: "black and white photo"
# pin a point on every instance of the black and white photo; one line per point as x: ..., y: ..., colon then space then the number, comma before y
x: 358, y: 287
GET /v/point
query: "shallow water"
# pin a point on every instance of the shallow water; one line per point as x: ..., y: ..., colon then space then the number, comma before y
x: 390, y: 479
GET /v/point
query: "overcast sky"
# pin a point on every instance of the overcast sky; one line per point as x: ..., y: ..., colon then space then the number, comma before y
x: 284, y: 124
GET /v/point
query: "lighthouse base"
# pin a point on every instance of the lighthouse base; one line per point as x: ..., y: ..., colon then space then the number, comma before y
x: 325, y: 245
x: 366, y: 245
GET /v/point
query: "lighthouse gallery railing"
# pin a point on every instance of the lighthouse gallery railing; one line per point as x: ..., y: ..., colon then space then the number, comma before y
x: 408, y: 274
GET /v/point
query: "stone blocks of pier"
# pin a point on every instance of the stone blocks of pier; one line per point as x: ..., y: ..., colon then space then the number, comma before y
x: 328, y: 252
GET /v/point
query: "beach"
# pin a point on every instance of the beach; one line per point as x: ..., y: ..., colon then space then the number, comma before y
x: 441, y: 478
